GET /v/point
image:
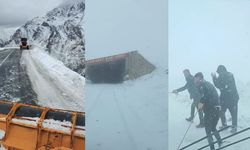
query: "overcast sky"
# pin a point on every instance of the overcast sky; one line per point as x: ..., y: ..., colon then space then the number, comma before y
x: 205, y: 34
x: 116, y: 26
x: 14, y: 13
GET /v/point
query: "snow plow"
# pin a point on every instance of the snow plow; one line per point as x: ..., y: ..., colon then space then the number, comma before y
x: 24, y: 44
x: 28, y: 127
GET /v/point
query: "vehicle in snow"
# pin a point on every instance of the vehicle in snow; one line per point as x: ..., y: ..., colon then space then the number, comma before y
x: 31, y: 127
x: 118, y: 68
x: 24, y: 44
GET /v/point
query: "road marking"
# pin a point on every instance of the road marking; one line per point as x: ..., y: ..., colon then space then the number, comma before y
x: 6, y: 58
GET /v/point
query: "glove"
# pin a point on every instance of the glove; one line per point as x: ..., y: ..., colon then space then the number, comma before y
x: 175, y: 91
x: 200, y: 106
x: 213, y: 75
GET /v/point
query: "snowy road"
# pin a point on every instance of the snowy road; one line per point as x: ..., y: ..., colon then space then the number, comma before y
x: 128, y: 116
x: 14, y: 83
x: 56, y: 85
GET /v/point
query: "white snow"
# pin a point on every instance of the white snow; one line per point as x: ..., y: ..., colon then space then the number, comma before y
x: 2, y: 133
x: 3, y: 119
x: 179, y: 109
x: 26, y: 120
x: 64, y: 126
x: 6, y: 33
x: 5, y: 48
x: 128, y: 116
x: 80, y: 130
x: 56, y: 85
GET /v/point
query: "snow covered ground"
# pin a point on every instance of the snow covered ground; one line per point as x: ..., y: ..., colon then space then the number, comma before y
x: 128, y: 116
x: 56, y: 85
x: 179, y: 109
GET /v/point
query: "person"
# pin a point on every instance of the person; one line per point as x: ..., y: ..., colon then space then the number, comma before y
x: 209, y: 103
x: 228, y: 95
x: 194, y: 94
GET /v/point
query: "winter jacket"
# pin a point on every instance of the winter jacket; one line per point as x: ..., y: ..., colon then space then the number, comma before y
x: 210, y: 97
x: 191, y: 87
x: 226, y: 84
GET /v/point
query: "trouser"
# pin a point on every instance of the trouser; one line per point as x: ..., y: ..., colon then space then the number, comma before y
x: 211, y: 119
x: 200, y: 112
x: 233, y: 109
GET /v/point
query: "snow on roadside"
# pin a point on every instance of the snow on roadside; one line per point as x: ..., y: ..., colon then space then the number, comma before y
x: 56, y: 85
x: 6, y: 48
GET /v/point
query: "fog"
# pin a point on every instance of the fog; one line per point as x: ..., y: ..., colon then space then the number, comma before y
x: 205, y: 34
x: 16, y: 13
x: 123, y: 26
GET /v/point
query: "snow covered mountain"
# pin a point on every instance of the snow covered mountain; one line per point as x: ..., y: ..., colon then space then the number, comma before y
x: 60, y: 32
x: 5, y: 34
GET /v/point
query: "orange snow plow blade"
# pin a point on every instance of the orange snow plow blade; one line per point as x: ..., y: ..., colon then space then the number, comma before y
x: 27, y: 127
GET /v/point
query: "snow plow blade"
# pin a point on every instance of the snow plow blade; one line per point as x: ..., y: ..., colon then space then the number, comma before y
x: 30, y: 127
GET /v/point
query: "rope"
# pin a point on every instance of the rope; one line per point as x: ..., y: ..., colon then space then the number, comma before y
x: 186, y: 131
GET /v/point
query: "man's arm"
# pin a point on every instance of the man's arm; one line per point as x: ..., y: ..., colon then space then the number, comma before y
x: 182, y: 88
x: 218, y: 82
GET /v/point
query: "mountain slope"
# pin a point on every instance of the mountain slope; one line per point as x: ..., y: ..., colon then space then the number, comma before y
x: 56, y: 85
x: 60, y: 32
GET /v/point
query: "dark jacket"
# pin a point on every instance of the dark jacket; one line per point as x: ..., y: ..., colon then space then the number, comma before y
x: 226, y: 84
x: 191, y: 87
x: 210, y: 97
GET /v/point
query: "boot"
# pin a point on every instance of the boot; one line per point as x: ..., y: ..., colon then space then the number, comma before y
x: 218, y: 138
x: 201, y: 125
x: 234, y: 129
x: 190, y: 119
x: 223, y: 126
x: 211, y: 145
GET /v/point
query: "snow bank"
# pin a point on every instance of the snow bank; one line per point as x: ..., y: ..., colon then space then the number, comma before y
x: 56, y: 85
x: 5, y: 48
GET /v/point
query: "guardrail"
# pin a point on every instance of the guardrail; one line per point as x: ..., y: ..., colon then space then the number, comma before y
x: 229, y: 136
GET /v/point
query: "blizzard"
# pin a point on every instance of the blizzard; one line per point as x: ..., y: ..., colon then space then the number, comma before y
x: 179, y: 109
